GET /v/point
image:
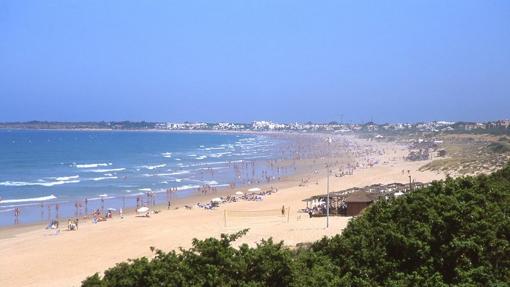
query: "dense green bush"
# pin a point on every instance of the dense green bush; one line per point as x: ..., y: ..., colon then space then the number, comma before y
x: 456, y: 232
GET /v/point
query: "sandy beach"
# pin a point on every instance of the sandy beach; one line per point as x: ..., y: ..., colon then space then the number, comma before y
x: 33, y: 256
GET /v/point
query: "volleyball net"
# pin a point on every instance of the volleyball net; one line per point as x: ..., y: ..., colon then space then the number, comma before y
x: 279, y: 215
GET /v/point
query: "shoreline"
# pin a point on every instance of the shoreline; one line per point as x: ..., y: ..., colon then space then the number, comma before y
x: 302, y: 168
x: 96, y: 247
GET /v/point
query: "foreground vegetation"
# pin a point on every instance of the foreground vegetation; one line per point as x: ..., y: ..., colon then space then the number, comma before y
x: 454, y: 233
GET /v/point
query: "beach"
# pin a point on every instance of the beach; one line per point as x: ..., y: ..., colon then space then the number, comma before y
x: 34, y: 256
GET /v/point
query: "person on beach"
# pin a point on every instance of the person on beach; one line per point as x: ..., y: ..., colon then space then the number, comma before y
x: 283, y: 210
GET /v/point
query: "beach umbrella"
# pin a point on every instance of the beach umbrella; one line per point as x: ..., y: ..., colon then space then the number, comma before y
x: 142, y: 209
x: 216, y: 199
x: 255, y: 189
x: 239, y: 193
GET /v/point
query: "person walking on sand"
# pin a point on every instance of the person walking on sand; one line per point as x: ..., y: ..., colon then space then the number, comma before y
x: 283, y: 210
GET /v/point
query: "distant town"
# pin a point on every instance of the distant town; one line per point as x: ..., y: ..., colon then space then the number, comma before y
x: 491, y: 127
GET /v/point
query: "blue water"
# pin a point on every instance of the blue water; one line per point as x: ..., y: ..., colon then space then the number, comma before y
x: 42, y: 171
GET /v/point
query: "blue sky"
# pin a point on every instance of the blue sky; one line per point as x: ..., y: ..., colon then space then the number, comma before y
x: 389, y: 61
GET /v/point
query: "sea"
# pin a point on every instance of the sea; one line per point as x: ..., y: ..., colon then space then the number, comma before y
x: 45, y: 174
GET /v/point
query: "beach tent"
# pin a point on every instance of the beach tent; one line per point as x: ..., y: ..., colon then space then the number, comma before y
x: 216, y: 199
x: 112, y: 209
x: 255, y: 189
x: 239, y: 193
x: 142, y: 209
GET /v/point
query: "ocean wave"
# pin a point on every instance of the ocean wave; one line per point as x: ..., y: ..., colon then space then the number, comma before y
x: 201, y: 157
x: 188, y: 186
x: 167, y: 154
x: 145, y: 189
x: 220, y: 154
x: 213, y: 168
x: 221, y: 185
x: 165, y: 174
x: 179, y: 172
x: 151, y: 167
x: 104, y: 178
x: 64, y: 178
x: 102, y: 196
x: 33, y: 199
x: 38, y: 183
x: 92, y: 165
x: 108, y: 170
x: 215, y: 148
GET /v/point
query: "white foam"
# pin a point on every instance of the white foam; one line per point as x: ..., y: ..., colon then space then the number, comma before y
x: 184, y: 187
x: 179, y: 172
x: 64, y: 178
x: 165, y: 174
x: 107, y: 170
x: 145, y: 189
x: 92, y: 165
x: 38, y: 183
x: 104, y: 178
x: 220, y: 154
x: 167, y: 154
x: 151, y: 167
x: 33, y: 199
x: 215, y: 148
x: 201, y: 157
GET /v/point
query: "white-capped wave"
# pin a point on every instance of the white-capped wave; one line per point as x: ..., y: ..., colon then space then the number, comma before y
x: 184, y: 187
x: 201, y: 157
x: 102, y: 196
x: 104, y: 178
x: 108, y: 170
x: 64, y: 178
x: 145, y: 189
x: 151, y: 167
x: 38, y: 183
x: 167, y: 154
x: 220, y: 154
x: 92, y: 165
x: 33, y: 199
x: 179, y: 172
x: 215, y: 148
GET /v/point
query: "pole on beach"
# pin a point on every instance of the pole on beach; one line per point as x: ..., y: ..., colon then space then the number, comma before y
x: 327, y: 201
x: 329, y: 140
